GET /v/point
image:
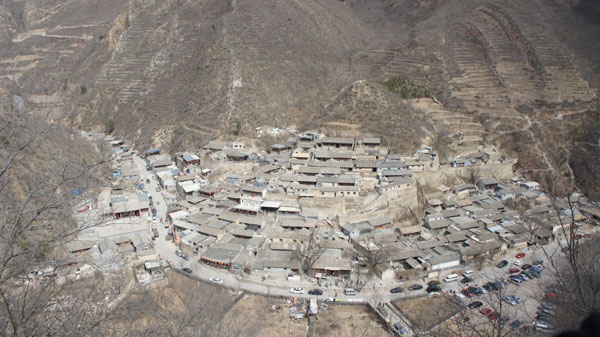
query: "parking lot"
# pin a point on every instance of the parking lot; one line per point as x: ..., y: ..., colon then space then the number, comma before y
x: 494, y: 296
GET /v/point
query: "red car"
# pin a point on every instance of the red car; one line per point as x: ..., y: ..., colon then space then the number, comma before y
x: 550, y: 295
x: 578, y: 237
x: 520, y: 255
x: 513, y: 270
x: 485, y: 311
x: 492, y: 315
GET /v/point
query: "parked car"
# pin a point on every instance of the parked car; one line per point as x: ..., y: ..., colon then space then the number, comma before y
x: 502, y: 264
x: 538, y: 262
x: 525, y: 266
x: 350, y: 292
x: 547, y: 305
x: 466, y: 280
x: 434, y: 282
x: 520, y: 255
x: 157, y: 189
x: 539, y: 268
x: 550, y: 295
x: 514, y: 325
x: 542, y: 325
x: 415, y: 287
x: 187, y: 270
x: 474, y: 305
x: 523, y: 277
x: 315, y: 292
x: 509, y: 300
x: 485, y: 311
x: 433, y: 288
x: 297, y: 291
x: 396, y: 290
x: 468, y: 273
x: 515, y: 281
x: 517, y: 263
x: 492, y: 315
x: 216, y: 280
x: 513, y: 270
x: 155, y: 233
x: 401, y: 330
x: 147, y: 181
x: 587, y: 235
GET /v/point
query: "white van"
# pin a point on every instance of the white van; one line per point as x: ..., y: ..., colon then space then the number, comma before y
x: 468, y: 273
x: 451, y: 278
x: 349, y: 292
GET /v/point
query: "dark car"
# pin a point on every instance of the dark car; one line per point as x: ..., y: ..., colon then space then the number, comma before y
x: 154, y: 233
x: 466, y: 280
x: 528, y: 274
x: 415, y: 287
x: 525, y: 266
x: 434, y: 282
x: 187, y: 270
x: 401, y: 330
x: 489, y: 286
x: 478, y: 291
x: 475, y: 305
x: 396, y: 290
x: 535, y: 273
x: 514, y: 325
x: 502, y: 264
x: 315, y: 292
x: 538, y: 262
x: 434, y: 288
x: 147, y: 181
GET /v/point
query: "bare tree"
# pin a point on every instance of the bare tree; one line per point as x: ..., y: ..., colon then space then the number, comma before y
x: 37, y: 181
x: 308, y: 251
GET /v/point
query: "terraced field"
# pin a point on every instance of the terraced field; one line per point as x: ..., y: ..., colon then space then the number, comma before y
x: 176, y: 73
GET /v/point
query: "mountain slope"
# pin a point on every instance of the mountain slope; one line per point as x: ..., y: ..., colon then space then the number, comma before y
x: 176, y: 73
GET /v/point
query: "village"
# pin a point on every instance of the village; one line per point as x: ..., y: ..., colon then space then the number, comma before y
x: 338, y: 214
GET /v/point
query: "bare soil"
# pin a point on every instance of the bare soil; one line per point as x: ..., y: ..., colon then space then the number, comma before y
x: 426, y: 313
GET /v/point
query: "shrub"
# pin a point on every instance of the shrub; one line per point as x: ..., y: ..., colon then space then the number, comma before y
x: 405, y: 87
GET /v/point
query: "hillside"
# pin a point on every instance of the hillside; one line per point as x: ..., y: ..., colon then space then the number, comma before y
x: 176, y: 73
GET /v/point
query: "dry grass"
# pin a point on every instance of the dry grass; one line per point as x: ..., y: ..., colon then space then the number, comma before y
x: 346, y: 320
x: 425, y: 313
